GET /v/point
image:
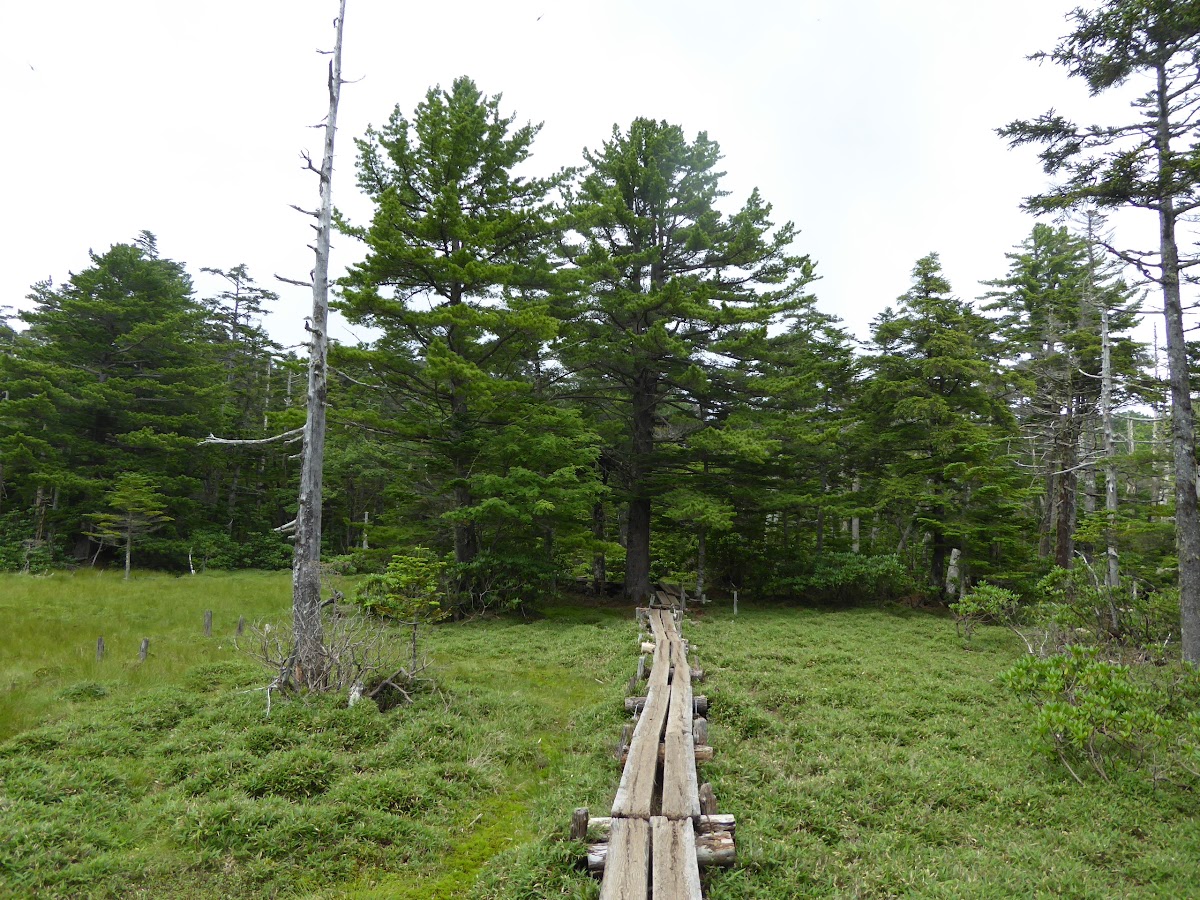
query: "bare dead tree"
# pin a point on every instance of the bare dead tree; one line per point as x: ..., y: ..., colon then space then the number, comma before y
x: 309, y: 662
x: 306, y: 565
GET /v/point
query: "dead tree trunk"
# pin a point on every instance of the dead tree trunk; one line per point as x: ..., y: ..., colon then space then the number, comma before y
x: 306, y: 566
x: 1112, y: 577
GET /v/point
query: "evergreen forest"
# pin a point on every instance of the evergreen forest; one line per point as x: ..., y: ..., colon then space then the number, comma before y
x: 602, y: 377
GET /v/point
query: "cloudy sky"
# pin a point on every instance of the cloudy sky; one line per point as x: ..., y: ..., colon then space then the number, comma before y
x: 869, y: 123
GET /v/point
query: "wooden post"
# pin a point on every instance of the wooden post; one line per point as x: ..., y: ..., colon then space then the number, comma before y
x: 708, y: 801
x: 241, y: 625
x: 735, y: 602
x: 208, y: 623
x: 579, y: 824
x: 700, y: 730
x: 145, y: 650
x: 99, y: 649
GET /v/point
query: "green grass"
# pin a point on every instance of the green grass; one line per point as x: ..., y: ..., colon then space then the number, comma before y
x: 865, y: 753
x: 51, y: 623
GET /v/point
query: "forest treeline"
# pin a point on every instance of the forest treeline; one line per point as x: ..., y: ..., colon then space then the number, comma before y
x: 605, y: 374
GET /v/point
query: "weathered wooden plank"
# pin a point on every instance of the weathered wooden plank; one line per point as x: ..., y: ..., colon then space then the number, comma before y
x: 627, y: 867
x: 635, y: 793
x: 680, y: 797
x: 682, y: 710
x: 676, y: 872
x: 658, y: 625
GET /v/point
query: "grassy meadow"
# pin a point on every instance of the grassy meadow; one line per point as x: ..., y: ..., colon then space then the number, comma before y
x: 865, y: 753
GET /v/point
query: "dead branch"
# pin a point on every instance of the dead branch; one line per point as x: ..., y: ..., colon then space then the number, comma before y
x: 286, y: 437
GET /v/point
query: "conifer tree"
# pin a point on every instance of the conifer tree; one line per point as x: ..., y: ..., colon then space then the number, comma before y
x: 115, y: 374
x: 1147, y: 163
x: 459, y: 275
x: 1052, y: 303
x: 136, y: 510
x: 939, y: 426
x: 674, y: 292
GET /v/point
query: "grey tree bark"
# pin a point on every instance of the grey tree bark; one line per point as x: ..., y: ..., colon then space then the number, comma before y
x: 306, y: 565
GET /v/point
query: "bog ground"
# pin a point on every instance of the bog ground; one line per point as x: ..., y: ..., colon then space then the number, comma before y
x: 865, y: 753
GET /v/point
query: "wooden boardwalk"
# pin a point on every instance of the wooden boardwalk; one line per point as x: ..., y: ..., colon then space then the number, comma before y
x: 663, y: 825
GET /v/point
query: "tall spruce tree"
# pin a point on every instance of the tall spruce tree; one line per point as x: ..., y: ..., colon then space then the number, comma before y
x: 1146, y: 163
x: 459, y: 275
x: 675, y: 291
x: 939, y: 428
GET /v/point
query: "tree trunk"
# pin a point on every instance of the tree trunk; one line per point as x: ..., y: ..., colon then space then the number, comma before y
x: 701, y: 552
x: 306, y: 566
x: 1064, y: 528
x: 1112, y: 572
x: 128, y: 550
x: 937, y: 563
x: 599, y: 562
x: 1187, y: 514
x: 637, y: 542
x: 855, y: 487
x: 466, y: 547
x: 231, y: 501
x: 1046, y: 522
x: 637, y: 550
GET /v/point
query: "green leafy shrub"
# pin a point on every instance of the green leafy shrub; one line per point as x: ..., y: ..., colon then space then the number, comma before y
x: 1093, y: 712
x: 19, y: 552
x: 509, y: 580
x: 984, y: 603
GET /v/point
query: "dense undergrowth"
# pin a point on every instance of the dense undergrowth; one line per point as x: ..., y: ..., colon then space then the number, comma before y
x: 864, y: 752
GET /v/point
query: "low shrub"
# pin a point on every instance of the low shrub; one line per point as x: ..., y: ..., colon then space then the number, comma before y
x: 1096, y: 713
x: 984, y: 603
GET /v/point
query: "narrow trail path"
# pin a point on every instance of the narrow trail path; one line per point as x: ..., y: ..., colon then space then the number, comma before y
x: 663, y: 825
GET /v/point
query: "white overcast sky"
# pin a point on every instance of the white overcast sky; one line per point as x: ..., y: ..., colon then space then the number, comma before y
x: 869, y: 123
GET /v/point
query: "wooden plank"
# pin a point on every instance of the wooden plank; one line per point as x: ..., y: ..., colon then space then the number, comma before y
x: 676, y: 872
x: 682, y: 709
x: 680, y: 798
x: 658, y: 625
x: 635, y: 793
x: 627, y: 867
